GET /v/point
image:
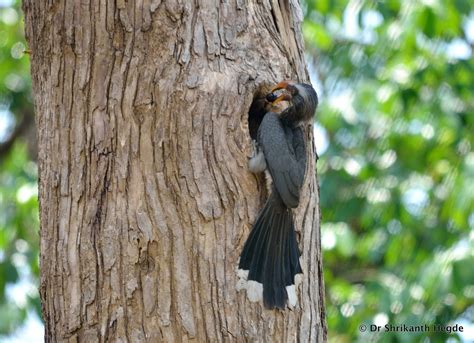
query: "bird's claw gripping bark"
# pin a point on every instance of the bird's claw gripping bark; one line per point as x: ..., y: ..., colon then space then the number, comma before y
x: 254, y: 148
x: 257, y: 163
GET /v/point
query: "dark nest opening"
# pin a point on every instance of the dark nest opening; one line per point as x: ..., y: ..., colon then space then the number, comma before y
x: 258, y: 109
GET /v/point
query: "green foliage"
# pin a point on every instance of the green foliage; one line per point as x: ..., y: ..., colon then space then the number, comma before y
x: 397, y: 180
x: 18, y: 238
x: 18, y: 180
x: 15, y: 83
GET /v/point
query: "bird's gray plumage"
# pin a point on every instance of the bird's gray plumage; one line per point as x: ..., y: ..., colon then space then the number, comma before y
x: 285, y: 156
x: 270, y: 255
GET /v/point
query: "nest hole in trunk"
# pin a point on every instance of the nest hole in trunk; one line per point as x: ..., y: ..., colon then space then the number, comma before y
x: 257, y: 111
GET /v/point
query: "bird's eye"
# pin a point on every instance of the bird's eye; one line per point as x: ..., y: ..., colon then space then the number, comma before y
x: 292, y: 89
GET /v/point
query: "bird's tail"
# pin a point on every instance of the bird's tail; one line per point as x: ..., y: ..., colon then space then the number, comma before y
x: 271, y: 254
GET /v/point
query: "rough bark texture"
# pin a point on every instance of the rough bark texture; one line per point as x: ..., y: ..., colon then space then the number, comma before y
x: 145, y: 196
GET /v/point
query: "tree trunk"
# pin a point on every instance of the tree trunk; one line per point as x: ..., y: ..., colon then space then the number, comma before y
x: 145, y: 198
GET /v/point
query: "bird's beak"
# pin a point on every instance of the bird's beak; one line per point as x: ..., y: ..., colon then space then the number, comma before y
x: 284, y: 96
x: 281, y: 85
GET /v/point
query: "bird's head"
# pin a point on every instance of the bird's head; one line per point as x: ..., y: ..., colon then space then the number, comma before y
x: 297, y: 101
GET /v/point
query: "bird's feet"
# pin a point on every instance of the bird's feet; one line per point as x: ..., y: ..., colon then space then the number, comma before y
x: 257, y: 163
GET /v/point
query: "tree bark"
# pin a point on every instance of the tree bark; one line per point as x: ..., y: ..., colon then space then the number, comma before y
x: 145, y: 197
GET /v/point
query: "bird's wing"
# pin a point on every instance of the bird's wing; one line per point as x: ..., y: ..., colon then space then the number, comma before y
x: 285, y: 154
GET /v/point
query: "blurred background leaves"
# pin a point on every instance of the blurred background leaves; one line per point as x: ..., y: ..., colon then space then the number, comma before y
x: 19, y: 221
x: 395, y: 131
x: 396, y: 79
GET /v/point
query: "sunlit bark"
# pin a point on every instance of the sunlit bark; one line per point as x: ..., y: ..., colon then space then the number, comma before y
x: 143, y: 145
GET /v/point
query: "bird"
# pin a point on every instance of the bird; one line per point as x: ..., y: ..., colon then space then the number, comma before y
x: 269, y: 260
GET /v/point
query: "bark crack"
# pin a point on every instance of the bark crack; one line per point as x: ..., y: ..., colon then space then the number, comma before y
x: 144, y: 192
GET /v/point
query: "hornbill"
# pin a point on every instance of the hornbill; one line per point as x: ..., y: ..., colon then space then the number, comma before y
x: 270, y: 257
